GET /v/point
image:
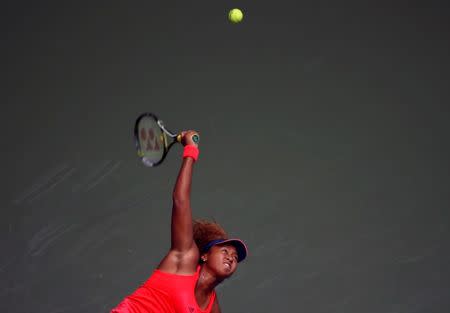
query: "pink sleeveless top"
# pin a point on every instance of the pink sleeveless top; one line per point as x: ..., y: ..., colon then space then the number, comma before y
x: 165, y: 293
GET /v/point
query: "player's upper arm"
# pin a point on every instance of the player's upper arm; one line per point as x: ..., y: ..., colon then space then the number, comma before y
x: 216, y: 307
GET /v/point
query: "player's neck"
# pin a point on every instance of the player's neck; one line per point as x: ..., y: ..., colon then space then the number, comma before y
x: 207, y: 281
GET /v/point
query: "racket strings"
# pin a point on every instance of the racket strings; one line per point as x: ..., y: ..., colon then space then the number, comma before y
x: 151, y: 140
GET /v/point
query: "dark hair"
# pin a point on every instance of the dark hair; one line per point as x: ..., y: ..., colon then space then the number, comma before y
x: 205, y: 231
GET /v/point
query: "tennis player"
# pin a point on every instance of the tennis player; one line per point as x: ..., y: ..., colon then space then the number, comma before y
x: 201, y: 256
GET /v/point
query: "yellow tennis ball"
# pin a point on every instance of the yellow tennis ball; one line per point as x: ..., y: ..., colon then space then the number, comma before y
x: 235, y: 16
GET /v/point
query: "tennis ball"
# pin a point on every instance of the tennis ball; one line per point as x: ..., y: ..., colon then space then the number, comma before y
x: 235, y: 16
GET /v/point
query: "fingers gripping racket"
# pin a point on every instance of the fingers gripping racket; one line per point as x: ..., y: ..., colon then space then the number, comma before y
x: 153, y: 140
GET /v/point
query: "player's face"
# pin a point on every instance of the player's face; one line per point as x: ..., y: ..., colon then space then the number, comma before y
x: 223, y: 259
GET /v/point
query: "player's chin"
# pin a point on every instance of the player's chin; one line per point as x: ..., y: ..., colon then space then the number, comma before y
x: 227, y: 273
x: 223, y: 273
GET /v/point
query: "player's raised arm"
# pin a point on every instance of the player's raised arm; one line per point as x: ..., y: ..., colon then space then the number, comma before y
x: 181, y: 225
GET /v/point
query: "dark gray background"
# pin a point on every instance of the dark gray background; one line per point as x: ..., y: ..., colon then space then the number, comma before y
x: 324, y: 146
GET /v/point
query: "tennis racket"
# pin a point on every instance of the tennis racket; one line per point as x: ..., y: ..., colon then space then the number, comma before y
x: 153, y: 140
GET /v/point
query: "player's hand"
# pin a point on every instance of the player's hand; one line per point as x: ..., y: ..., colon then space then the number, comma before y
x: 190, y: 137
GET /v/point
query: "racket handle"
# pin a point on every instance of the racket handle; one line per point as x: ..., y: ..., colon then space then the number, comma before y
x: 195, y: 138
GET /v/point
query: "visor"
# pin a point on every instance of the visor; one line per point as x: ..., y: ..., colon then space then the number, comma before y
x: 240, y: 246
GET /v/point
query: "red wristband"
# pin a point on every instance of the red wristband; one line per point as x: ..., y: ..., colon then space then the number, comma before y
x: 191, y: 151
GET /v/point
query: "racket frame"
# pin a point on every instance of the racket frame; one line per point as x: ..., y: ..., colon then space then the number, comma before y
x: 167, y: 145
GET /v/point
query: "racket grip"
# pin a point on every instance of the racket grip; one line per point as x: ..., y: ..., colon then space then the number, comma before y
x: 195, y: 138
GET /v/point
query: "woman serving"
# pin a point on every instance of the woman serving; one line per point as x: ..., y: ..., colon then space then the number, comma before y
x: 201, y: 256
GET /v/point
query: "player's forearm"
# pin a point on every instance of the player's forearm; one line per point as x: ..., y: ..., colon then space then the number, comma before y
x: 181, y: 226
x: 182, y: 190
